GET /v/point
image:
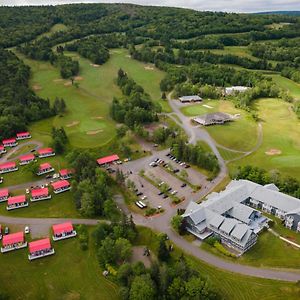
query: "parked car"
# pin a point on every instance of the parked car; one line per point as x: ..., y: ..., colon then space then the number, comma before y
x: 6, y: 230
x: 176, y: 171
x: 27, y: 191
x: 144, y: 197
x: 33, y: 150
x: 161, y: 183
x: 48, y: 176
x: 160, y: 193
x: 168, y: 154
x: 174, y: 193
x: 169, y: 189
x: 165, y: 196
x: 27, y: 229
x: 139, y: 194
x: 187, y: 166
x: 183, y: 185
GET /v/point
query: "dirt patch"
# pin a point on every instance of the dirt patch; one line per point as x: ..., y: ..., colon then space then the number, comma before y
x: 58, y: 80
x: 97, y: 118
x: 148, y: 68
x: 74, y: 123
x: 273, y: 152
x: 95, y: 65
x: 137, y: 255
x: 93, y: 132
x: 36, y: 87
x: 78, y: 78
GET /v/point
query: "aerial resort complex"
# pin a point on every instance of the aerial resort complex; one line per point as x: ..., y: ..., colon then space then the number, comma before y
x: 235, y: 215
x: 149, y: 152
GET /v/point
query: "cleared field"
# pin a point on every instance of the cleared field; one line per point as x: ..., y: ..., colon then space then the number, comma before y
x: 235, y: 50
x: 69, y: 274
x: 229, y: 285
x: 280, y: 149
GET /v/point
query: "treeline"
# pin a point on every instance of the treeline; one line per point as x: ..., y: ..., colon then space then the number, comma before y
x: 286, y: 184
x: 18, y: 104
x: 91, y: 186
x: 166, y: 279
x: 196, y: 155
x: 59, y: 140
x: 41, y: 50
x: 136, y: 108
x: 92, y: 48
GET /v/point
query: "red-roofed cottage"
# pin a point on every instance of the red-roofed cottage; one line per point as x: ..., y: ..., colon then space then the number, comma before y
x: 10, y: 142
x: 23, y: 135
x: 16, y: 202
x: 40, y: 248
x: 26, y: 159
x: 63, y: 231
x: 107, y: 159
x: 13, y: 241
x: 44, y: 169
x: 45, y: 152
x: 8, y: 167
x: 61, y: 186
x: 2, y: 149
x: 40, y: 194
x: 65, y: 173
x: 4, y: 195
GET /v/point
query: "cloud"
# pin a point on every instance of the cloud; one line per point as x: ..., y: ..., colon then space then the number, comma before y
x: 214, y: 5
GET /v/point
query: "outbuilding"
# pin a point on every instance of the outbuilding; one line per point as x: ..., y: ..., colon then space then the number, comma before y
x: 16, y: 202
x: 40, y: 194
x: 188, y: 99
x: 2, y: 149
x: 107, y: 159
x: 23, y: 135
x: 26, y: 159
x: 10, y: 142
x: 13, y: 241
x: 4, y: 193
x: 40, y: 248
x: 45, y: 152
x: 61, y: 186
x: 44, y: 169
x: 63, y: 231
x: 8, y: 167
x: 65, y: 173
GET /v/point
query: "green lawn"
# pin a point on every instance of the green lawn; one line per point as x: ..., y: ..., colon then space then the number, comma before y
x: 241, y: 51
x: 21, y: 150
x: 230, y: 285
x: 229, y: 155
x: 281, y: 131
x: 69, y: 274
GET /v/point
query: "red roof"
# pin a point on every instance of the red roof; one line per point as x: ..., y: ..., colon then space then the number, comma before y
x: 3, y: 193
x: 27, y: 157
x: 8, y: 165
x: 23, y: 134
x: 13, y: 238
x: 107, y: 159
x: 8, y: 141
x: 1, y: 147
x: 45, y: 166
x: 60, y: 184
x: 16, y: 199
x: 65, y: 172
x: 45, y: 151
x: 40, y: 192
x: 64, y: 227
x: 39, y: 245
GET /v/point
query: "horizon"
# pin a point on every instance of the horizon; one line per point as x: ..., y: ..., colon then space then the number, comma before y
x: 234, y: 6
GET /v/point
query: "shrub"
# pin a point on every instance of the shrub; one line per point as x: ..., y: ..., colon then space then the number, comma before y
x: 221, y: 249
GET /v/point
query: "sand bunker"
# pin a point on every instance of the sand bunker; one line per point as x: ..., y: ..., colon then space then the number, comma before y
x: 93, y: 132
x: 148, y: 68
x: 68, y: 83
x: 36, y: 87
x: 97, y: 118
x: 74, y: 123
x: 207, y: 106
x: 95, y: 65
x: 78, y: 78
x: 273, y: 152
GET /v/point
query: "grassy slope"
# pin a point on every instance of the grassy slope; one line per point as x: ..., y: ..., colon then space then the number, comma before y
x: 233, y: 286
x: 69, y: 274
x: 281, y: 131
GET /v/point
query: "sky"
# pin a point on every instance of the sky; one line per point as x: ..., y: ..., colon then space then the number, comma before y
x: 212, y: 5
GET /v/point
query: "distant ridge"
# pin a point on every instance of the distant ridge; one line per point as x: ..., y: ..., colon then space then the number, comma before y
x: 283, y: 12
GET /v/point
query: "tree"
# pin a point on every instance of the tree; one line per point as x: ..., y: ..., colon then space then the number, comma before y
x: 123, y: 249
x: 184, y: 174
x: 177, y: 223
x: 163, y: 253
x: 87, y: 206
x: 142, y: 287
x: 107, y: 253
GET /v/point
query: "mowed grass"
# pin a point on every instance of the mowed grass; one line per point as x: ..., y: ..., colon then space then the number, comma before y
x: 241, y: 51
x: 68, y: 274
x: 281, y: 131
x: 231, y: 286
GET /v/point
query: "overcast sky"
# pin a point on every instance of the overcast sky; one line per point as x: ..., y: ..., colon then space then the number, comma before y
x: 214, y: 5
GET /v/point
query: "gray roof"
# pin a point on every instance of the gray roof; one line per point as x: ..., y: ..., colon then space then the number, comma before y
x: 216, y: 221
x: 190, y: 98
x: 239, y: 231
x: 213, y: 117
x: 242, y: 212
x: 271, y: 186
x: 228, y: 225
x: 198, y: 216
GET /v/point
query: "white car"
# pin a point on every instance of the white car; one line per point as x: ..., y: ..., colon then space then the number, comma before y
x: 161, y: 183
x: 27, y: 229
x: 27, y: 191
x: 174, y: 192
x: 144, y: 197
x: 55, y: 175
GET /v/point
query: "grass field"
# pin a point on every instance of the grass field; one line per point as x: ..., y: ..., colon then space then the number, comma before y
x: 281, y: 131
x: 69, y: 274
x: 230, y: 285
x: 241, y: 51
x: 87, y: 121
x: 229, y: 155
